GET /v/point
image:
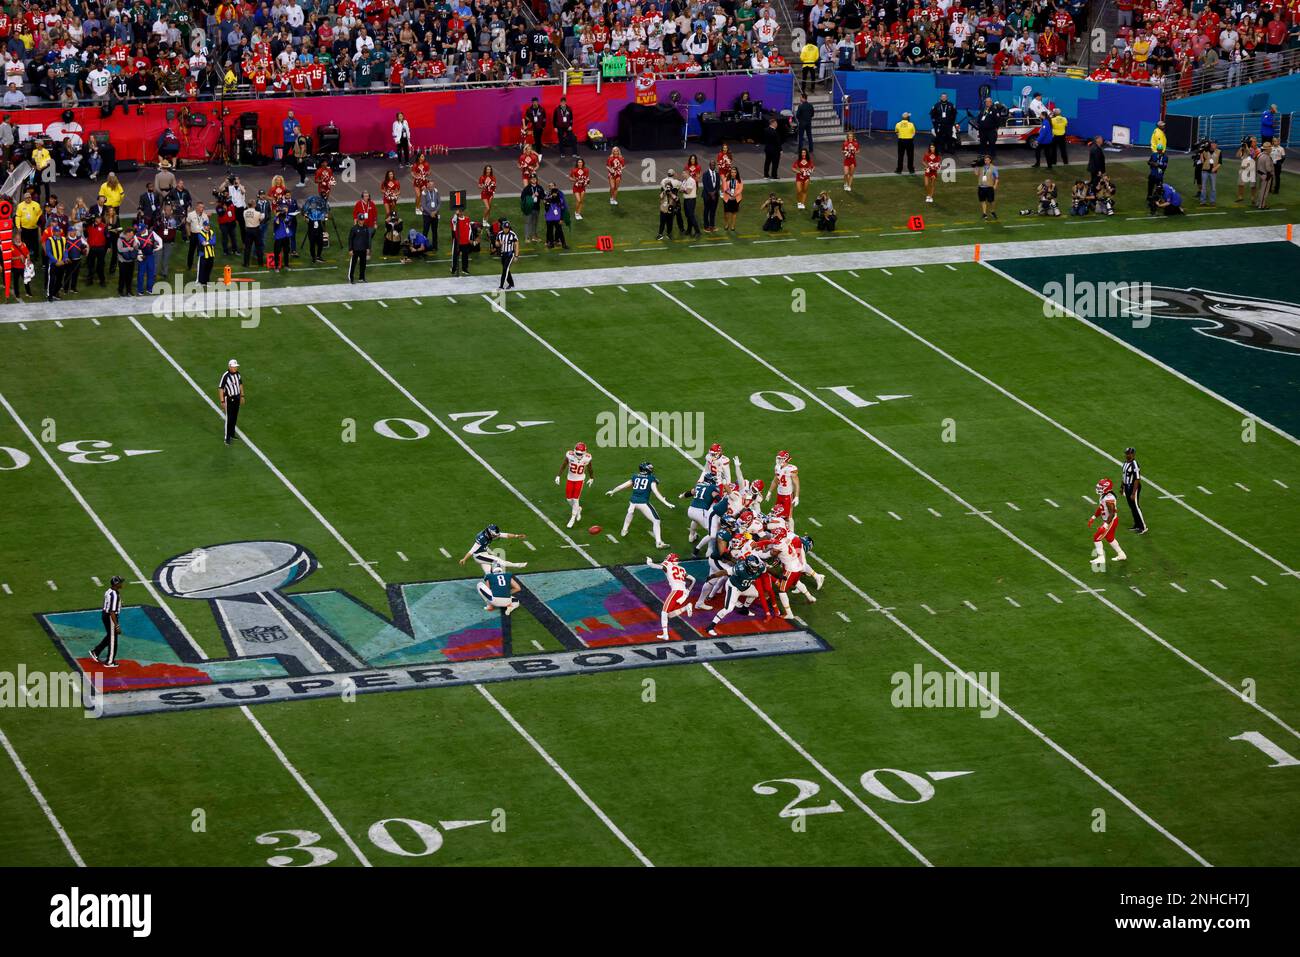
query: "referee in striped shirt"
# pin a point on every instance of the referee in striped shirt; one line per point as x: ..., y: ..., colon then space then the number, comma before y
x: 231, y: 393
x: 508, y: 244
x: 1132, y: 485
x: 110, y: 611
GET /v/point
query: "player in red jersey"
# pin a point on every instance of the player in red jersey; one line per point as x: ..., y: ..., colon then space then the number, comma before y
x: 1105, y: 532
x: 487, y: 188
x: 614, y: 166
x: 581, y: 176
x: 680, y: 586
x: 931, y: 161
x: 850, y: 151
x: 577, y: 467
x: 803, y: 169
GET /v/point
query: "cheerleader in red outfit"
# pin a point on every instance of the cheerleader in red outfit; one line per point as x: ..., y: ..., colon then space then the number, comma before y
x: 324, y: 180
x: 693, y: 168
x: 850, y: 149
x: 420, y: 177
x: 726, y: 162
x: 487, y: 188
x: 581, y: 176
x: 391, y: 189
x: 278, y: 191
x: 932, y: 162
x: 803, y: 170
x: 614, y: 167
x: 529, y: 160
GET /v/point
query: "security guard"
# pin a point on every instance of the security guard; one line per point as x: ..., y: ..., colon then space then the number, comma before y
x: 1059, y: 124
x: 1131, y: 482
x: 207, y: 240
x: 56, y: 258
x: 508, y: 243
x: 906, y: 131
x: 109, y: 614
x: 231, y: 393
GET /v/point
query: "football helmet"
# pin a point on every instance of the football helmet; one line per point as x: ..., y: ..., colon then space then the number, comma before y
x: 1104, y: 486
x: 746, y: 516
x: 493, y: 530
x: 670, y: 557
x: 715, y: 447
x: 778, y: 511
x: 580, y: 447
x: 754, y: 562
x: 779, y: 534
x: 645, y: 467
x: 498, y: 568
x: 756, y: 485
x: 783, y: 456
x: 807, y: 542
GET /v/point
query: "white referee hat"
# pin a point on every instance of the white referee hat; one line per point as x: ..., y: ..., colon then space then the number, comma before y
x: 233, y: 362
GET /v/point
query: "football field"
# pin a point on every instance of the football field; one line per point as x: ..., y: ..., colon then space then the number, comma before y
x: 968, y: 689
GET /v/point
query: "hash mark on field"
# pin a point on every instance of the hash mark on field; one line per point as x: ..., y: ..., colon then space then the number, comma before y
x: 529, y: 545
x: 688, y: 284
x: 364, y: 563
x: 854, y: 275
x: 94, y: 320
x: 722, y: 282
x: 1053, y: 504
x: 95, y: 579
x: 1013, y: 506
x: 1215, y: 581
x: 445, y: 553
x: 58, y: 324
x: 452, y: 300
x: 7, y: 589
x: 1178, y: 587
x: 584, y: 289
x: 1055, y: 599
x: 382, y: 304
x: 622, y: 288
x: 417, y: 302
x: 1258, y: 579
x: 554, y: 293
x: 1240, y: 486
x: 402, y: 557
x: 934, y: 513
x: 1014, y: 603
x: 842, y: 615
x: 1137, y: 591
x: 1205, y: 490
x: 787, y: 279
x: 276, y: 310
x: 347, y: 306
x: 538, y: 645
x: 610, y: 536
x: 1086, y: 498
x: 886, y: 272
x: 951, y: 266
x: 22, y: 326
x: 53, y: 587
x: 855, y: 520
x: 967, y: 603
x: 928, y: 608
x: 521, y: 295
x: 1281, y: 483
x: 919, y: 269
x: 754, y: 280
x: 895, y: 516
x: 814, y: 521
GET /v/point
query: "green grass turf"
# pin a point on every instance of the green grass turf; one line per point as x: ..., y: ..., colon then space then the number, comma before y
x: 676, y: 775
x: 874, y: 216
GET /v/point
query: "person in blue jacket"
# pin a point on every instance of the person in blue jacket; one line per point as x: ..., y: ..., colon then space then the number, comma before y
x: 283, y: 237
x: 290, y: 129
x: 557, y: 214
x: 1045, y: 142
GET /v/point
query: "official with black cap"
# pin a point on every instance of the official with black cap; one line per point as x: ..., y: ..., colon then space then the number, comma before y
x: 109, y: 613
x: 1132, y: 485
x: 508, y: 244
x: 231, y: 392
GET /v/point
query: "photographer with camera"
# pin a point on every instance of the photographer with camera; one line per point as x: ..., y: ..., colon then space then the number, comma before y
x: 1211, y: 158
x: 668, y: 200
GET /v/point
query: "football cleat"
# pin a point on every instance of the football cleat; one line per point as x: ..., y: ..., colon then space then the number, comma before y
x: 1104, y: 486
x: 580, y: 447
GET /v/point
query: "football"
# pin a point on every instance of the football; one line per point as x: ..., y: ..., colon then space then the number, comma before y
x: 594, y: 530
x: 234, y: 569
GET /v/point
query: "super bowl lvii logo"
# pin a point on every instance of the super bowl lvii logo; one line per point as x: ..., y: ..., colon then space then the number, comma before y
x: 284, y: 645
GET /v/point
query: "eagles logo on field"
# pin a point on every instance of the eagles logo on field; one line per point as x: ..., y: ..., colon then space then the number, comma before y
x: 281, y: 645
x: 1245, y: 320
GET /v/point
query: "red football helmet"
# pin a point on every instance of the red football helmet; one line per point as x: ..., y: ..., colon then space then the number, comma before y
x: 779, y: 534
x: 782, y: 456
x: 580, y: 447
x: 715, y: 447
x: 756, y: 485
x: 746, y: 516
x: 1104, y: 486
x: 670, y: 557
x: 778, y: 511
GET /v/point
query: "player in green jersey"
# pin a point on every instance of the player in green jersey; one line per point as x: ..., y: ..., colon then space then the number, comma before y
x: 643, y: 484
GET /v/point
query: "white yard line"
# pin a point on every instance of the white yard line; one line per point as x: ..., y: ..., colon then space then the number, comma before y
x: 875, y: 606
x: 452, y: 434
x: 1054, y: 422
x: 1244, y: 697
x: 158, y: 599
x: 40, y: 800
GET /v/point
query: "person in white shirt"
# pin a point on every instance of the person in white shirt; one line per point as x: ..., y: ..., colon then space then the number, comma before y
x: 402, y: 140
x: 14, y: 96
x: 1037, y: 107
x: 98, y: 80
